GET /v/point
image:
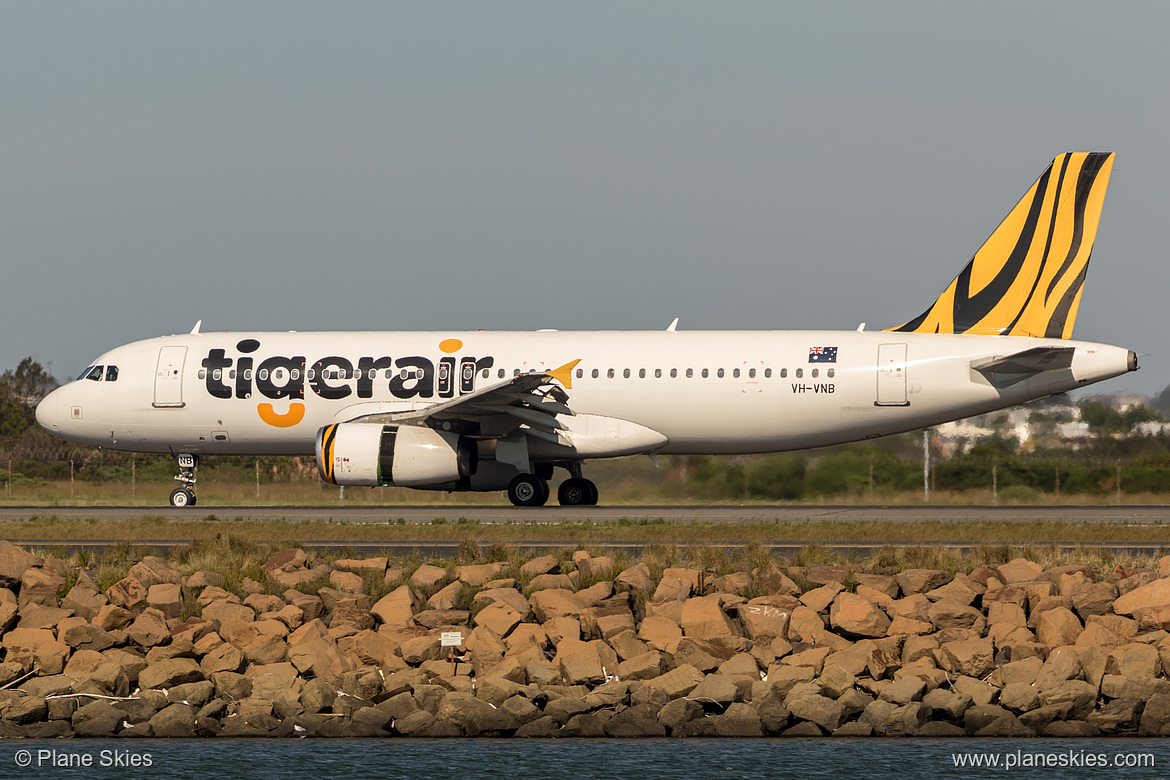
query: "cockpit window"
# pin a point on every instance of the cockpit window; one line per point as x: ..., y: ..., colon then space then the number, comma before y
x: 94, y: 373
x: 111, y: 373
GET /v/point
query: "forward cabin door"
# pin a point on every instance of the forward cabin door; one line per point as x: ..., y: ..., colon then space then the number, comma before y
x: 891, y: 375
x: 168, y: 377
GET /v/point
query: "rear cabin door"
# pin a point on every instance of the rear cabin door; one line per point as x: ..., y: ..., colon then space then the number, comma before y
x: 168, y: 377
x: 891, y: 375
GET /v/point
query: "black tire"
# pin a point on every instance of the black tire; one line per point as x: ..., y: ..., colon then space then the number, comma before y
x: 182, y: 497
x: 528, y: 490
x: 575, y: 492
x: 593, y: 495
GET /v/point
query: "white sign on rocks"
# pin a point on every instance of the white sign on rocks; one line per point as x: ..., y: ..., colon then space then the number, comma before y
x: 450, y: 639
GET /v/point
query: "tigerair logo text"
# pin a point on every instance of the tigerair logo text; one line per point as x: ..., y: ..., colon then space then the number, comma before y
x: 334, y: 377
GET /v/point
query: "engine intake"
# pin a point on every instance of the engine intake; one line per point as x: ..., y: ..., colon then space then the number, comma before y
x: 368, y: 454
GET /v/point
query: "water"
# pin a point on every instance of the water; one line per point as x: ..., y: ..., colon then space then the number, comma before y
x: 906, y: 759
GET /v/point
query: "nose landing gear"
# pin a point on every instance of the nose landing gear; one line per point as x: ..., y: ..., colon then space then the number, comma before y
x: 185, y: 495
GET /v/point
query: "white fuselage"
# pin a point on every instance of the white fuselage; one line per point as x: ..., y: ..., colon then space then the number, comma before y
x: 203, y: 393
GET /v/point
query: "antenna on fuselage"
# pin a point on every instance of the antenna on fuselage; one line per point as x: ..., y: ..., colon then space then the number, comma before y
x: 196, y: 328
x: 671, y: 327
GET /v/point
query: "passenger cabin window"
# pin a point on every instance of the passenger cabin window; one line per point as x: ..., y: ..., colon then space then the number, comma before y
x: 719, y: 373
x: 832, y: 372
x: 674, y: 373
x: 799, y: 373
x: 735, y: 373
x: 705, y: 373
x: 690, y: 373
x: 658, y: 373
x: 609, y: 373
x: 767, y: 373
x: 751, y: 373
x: 815, y: 373
x: 595, y: 373
x: 580, y: 372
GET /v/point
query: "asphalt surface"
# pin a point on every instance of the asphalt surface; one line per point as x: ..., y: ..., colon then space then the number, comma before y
x: 1136, y: 515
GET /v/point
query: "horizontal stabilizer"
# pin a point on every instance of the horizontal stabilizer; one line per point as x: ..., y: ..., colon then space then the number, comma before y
x: 1004, y: 371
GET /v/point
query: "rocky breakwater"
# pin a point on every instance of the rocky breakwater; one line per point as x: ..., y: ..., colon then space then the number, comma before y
x: 565, y: 646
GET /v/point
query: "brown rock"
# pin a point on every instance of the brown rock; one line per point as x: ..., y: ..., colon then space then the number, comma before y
x: 972, y: 657
x: 678, y: 682
x: 396, y: 608
x: 285, y: 560
x: 913, y: 581
x: 85, y: 636
x: 1134, y: 660
x: 152, y: 571
x: 202, y: 579
x: 819, y: 599
x: 950, y: 614
x: 703, y: 618
x: 821, y: 710
x: 84, y: 601
x: 478, y: 575
x: 169, y: 673
x: 376, y: 565
x: 1058, y: 627
x: 427, y: 576
x: 547, y: 564
x: 345, y: 580
x: 40, y: 616
x: 673, y: 589
x: 127, y: 593
x: 167, y: 598
x: 1078, y: 694
x: 961, y: 590
x: 1019, y: 570
x: 13, y: 563
x: 660, y: 633
x: 557, y: 602
x: 858, y: 616
x: 635, y: 578
x: 1151, y: 596
x: 149, y: 629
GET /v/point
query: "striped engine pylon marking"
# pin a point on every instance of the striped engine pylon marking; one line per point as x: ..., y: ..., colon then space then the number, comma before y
x: 327, y: 439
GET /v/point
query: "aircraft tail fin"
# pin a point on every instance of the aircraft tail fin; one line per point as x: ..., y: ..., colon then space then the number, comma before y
x: 1026, y: 279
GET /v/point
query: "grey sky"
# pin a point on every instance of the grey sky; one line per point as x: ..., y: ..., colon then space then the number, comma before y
x: 397, y: 166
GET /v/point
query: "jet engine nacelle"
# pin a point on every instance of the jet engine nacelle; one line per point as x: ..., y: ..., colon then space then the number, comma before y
x: 369, y: 454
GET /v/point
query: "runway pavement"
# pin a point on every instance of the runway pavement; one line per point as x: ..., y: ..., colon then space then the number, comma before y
x: 1138, y: 515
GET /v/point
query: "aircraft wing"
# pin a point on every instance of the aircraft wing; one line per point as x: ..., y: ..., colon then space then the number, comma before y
x: 1007, y: 370
x: 530, y: 402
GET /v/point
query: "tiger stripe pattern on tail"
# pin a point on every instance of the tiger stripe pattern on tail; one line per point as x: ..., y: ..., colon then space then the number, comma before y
x: 1027, y: 278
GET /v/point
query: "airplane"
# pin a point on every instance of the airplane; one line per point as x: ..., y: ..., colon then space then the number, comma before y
x: 489, y: 411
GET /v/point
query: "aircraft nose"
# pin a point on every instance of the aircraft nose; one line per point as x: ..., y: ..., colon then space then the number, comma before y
x: 47, y: 412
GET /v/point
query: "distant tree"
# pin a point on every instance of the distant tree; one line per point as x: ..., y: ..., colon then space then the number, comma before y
x: 1161, y: 401
x: 20, y: 392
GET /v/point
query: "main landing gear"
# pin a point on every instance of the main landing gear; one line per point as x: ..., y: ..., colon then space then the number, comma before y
x: 533, y: 489
x: 185, y: 495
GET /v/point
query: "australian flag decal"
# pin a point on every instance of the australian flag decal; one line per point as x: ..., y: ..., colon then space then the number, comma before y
x: 822, y: 354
